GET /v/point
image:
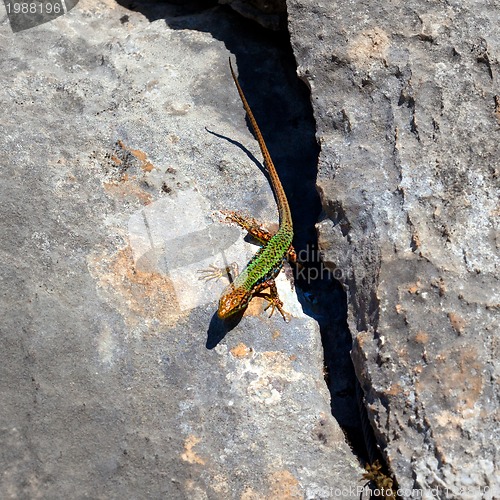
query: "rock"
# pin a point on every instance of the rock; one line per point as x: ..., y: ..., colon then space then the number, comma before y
x: 122, y: 138
x: 405, y: 97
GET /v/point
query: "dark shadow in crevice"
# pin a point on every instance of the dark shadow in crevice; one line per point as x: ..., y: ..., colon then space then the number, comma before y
x: 281, y: 105
x: 280, y: 101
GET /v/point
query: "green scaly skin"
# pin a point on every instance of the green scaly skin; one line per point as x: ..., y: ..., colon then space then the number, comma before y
x: 266, y: 264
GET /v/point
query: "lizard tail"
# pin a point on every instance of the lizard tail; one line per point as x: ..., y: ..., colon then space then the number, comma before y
x: 282, y: 202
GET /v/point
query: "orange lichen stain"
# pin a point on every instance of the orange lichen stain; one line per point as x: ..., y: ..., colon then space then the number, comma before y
x: 394, y: 390
x: 457, y: 322
x: 189, y: 454
x: 241, y: 351
x: 283, y: 485
x: 469, y: 378
x: 421, y: 337
x: 360, y: 341
x: 459, y: 377
x: 276, y: 334
x: 116, y: 160
x: 440, y: 285
x: 415, y: 288
x: 146, y: 165
x: 140, y: 155
x: 141, y: 297
x: 250, y: 494
x: 451, y: 428
x: 272, y: 354
x: 415, y: 239
x: 127, y: 190
x: 368, y: 46
x: 124, y: 174
x: 220, y: 484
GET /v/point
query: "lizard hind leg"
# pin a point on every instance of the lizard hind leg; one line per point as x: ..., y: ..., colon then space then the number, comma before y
x: 273, y: 299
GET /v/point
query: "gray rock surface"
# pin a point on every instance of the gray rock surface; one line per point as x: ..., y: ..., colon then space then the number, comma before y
x: 115, y: 379
x: 406, y: 100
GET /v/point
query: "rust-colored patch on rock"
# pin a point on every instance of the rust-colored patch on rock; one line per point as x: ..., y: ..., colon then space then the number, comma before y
x: 458, y: 375
x: 189, y: 454
x: 128, y: 191
x: 250, y: 494
x: 457, y: 322
x: 140, y: 297
x: 125, y: 167
x: 145, y: 164
x: 440, y: 285
x: 394, y: 390
x: 241, y: 351
x: 415, y: 288
x: 469, y: 378
x: 421, y: 337
x: 283, y: 485
x: 369, y: 46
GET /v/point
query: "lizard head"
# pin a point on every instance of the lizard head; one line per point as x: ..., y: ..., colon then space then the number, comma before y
x: 232, y: 300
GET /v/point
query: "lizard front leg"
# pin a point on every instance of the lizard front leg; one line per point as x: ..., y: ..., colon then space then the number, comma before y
x: 250, y: 225
x: 256, y: 230
x: 216, y: 273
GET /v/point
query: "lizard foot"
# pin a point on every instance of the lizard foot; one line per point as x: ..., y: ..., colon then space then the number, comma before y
x: 275, y: 303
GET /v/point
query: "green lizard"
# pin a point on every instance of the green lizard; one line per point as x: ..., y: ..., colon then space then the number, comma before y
x: 261, y: 271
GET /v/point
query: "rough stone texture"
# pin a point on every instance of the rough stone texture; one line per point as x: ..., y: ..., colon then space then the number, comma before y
x: 115, y: 379
x: 406, y: 100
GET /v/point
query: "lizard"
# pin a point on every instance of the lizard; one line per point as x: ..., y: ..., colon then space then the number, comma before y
x: 266, y: 264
